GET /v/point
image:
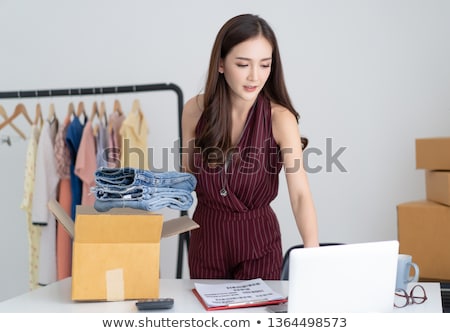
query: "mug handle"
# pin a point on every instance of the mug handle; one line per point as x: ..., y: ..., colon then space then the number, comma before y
x: 415, y: 277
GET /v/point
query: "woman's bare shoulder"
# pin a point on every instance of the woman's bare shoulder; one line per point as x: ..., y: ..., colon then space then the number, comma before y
x: 194, y: 106
x: 192, y: 112
x: 281, y: 114
x: 284, y: 125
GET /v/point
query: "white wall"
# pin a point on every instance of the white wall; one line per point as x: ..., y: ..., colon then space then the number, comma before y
x: 370, y: 75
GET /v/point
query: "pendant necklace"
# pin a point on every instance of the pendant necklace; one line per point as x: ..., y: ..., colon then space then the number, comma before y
x: 223, y: 190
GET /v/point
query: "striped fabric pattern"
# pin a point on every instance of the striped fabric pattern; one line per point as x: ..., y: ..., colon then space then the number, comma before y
x: 239, y: 235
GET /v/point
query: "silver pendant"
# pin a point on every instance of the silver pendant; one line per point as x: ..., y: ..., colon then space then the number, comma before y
x: 223, y: 192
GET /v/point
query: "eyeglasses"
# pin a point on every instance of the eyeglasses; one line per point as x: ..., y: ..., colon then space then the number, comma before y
x: 417, y: 295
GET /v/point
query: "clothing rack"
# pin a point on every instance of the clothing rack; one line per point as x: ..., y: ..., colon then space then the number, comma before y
x: 182, y: 238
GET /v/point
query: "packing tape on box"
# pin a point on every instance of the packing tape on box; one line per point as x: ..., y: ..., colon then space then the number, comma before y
x: 114, y: 285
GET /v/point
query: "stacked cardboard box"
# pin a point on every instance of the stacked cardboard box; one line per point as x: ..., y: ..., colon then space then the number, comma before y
x: 424, y: 226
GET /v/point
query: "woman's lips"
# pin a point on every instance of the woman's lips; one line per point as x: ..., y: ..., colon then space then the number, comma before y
x: 250, y: 88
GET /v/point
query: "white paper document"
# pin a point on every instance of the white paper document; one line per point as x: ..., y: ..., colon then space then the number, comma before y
x: 234, y: 294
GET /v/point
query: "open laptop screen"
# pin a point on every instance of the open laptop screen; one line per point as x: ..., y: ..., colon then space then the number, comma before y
x: 343, y: 278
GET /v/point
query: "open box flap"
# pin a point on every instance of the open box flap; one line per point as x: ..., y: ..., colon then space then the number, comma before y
x: 170, y: 227
x: 62, y: 217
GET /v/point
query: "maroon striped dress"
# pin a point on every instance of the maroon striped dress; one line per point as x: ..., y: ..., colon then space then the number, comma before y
x: 239, y: 235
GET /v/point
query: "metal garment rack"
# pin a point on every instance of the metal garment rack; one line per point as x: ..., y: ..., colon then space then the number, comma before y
x: 182, y: 238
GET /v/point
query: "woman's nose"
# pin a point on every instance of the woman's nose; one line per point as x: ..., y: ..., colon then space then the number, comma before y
x: 253, y: 74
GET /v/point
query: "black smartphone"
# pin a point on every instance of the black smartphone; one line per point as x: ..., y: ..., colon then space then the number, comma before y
x: 155, y: 304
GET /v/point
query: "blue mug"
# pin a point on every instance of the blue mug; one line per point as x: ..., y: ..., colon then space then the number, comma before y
x: 404, y: 267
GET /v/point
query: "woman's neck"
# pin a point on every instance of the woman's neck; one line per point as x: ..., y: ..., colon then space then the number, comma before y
x: 241, y: 107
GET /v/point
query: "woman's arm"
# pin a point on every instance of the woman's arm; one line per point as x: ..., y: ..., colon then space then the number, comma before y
x: 286, y: 133
x: 189, y: 119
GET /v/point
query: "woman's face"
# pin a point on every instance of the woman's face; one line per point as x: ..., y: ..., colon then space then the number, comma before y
x: 247, y: 67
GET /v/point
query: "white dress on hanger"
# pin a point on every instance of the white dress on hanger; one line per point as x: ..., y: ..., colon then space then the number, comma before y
x: 45, y: 188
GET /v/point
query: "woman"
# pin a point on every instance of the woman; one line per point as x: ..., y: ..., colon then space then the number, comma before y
x: 236, y: 137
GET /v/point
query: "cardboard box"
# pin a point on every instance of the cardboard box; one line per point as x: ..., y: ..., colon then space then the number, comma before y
x: 116, y: 254
x: 433, y: 153
x: 424, y: 233
x: 438, y: 186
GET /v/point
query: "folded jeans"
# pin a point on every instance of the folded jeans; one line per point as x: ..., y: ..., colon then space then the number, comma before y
x: 134, y: 192
x: 180, y: 200
x: 125, y: 177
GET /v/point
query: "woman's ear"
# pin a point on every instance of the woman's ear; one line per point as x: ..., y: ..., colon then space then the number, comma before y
x: 220, y: 66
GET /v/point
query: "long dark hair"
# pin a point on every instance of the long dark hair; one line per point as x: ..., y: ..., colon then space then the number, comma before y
x: 216, y: 131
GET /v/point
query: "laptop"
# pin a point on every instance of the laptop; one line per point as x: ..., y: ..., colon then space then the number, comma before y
x: 343, y: 278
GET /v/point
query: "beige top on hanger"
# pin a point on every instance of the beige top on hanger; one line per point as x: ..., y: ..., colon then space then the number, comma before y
x: 136, y: 107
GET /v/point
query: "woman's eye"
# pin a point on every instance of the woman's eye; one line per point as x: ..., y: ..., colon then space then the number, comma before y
x: 265, y: 65
x: 242, y: 65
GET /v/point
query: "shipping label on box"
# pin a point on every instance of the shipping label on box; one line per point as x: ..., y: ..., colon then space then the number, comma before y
x: 424, y: 233
x: 116, y: 255
x: 433, y: 153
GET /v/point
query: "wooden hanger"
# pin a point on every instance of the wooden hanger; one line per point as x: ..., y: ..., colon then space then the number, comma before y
x: 5, y: 117
x: 118, y: 107
x: 81, y: 109
x: 136, y: 106
x: 38, y: 119
x: 19, y: 110
x: 51, y: 113
x: 102, y: 113
x: 94, y: 112
x: 71, y: 110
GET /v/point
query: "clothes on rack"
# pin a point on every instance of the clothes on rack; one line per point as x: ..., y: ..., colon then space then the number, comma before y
x: 45, y: 189
x: 86, y: 163
x: 142, y: 189
x: 115, y: 122
x: 73, y: 140
x: 116, y: 155
x: 134, y: 132
x: 34, y: 232
x: 102, y: 145
x: 63, y: 239
x: 63, y: 158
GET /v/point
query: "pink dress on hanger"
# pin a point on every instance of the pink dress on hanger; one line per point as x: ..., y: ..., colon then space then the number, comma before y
x: 115, y: 139
x: 63, y: 240
x: 86, y: 164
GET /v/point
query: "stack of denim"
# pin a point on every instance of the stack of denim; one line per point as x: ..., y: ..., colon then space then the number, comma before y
x: 142, y: 189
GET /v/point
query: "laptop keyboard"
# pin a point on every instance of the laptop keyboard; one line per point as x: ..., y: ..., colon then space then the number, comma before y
x: 445, y: 295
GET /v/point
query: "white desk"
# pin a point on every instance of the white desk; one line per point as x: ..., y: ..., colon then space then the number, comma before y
x: 57, y: 298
